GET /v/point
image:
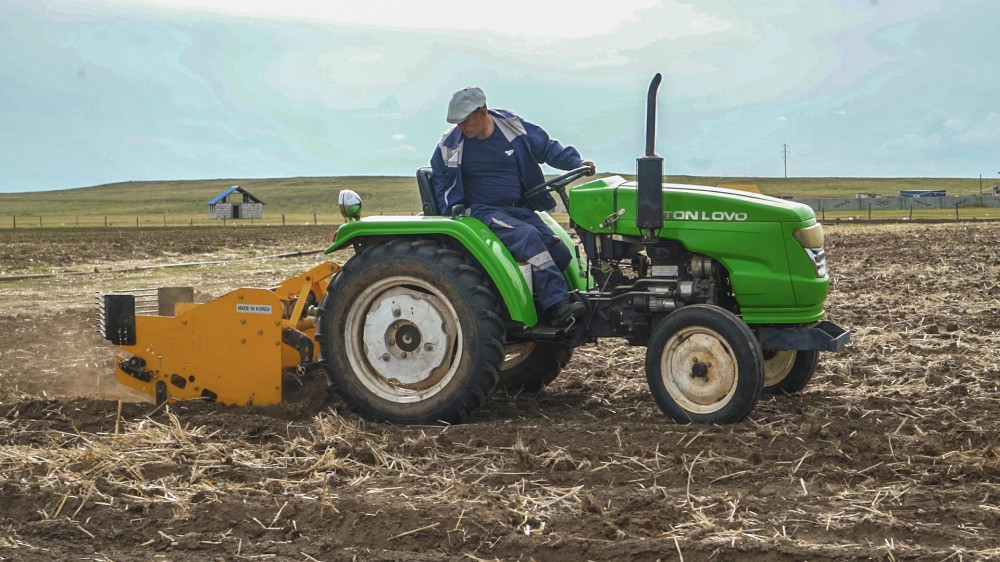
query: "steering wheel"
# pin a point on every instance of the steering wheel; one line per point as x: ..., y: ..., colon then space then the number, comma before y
x: 558, y: 183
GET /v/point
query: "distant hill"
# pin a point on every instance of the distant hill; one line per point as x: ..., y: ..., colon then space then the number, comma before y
x: 301, y: 198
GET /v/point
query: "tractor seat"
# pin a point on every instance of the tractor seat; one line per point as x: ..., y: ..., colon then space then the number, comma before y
x: 426, y: 187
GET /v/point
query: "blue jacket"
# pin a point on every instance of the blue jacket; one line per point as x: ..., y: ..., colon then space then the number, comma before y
x: 531, y: 144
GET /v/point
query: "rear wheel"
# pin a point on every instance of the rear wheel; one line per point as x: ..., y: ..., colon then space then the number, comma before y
x: 788, y: 371
x: 411, y: 334
x: 531, y: 366
x: 704, y: 365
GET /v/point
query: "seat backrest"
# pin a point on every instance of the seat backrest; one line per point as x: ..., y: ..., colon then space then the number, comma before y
x: 426, y: 187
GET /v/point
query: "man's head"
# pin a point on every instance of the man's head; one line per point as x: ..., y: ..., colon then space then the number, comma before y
x: 464, y: 102
x: 467, y: 109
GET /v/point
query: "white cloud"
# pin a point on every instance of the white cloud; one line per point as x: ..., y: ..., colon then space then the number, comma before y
x: 519, y: 17
x: 398, y: 137
x: 364, y: 58
x: 400, y: 148
x: 986, y: 131
x: 782, y: 118
x: 955, y: 125
x: 912, y: 143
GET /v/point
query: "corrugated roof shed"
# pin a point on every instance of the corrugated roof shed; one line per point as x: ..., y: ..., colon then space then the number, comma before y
x: 229, y: 192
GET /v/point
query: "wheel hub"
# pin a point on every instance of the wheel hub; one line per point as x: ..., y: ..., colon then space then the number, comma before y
x: 699, y: 369
x: 405, y: 337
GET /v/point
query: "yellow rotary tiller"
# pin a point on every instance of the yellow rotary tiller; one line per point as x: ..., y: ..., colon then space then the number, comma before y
x: 246, y: 347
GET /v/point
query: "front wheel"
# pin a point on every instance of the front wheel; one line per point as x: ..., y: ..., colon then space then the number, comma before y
x: 704, y: 365
x: 788, y: 371
x: 411, y: 334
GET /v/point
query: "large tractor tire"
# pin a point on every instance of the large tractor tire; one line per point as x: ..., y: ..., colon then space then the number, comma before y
x: 531, y: 366
x: 788, y: 371
x: 704, y: 365
x: 411, y: 334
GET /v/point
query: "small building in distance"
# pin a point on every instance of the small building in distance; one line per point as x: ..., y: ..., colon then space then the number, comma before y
x: 249, y: 208
x: 923, y: 193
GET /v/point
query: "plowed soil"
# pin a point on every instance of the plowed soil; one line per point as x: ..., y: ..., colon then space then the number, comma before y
x: 892, y: 452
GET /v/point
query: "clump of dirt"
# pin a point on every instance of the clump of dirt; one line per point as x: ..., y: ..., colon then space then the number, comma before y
x: 890, y: 453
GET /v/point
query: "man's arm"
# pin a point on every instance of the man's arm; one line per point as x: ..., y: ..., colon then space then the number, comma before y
x: 549, y: 151
x: 439, y: 180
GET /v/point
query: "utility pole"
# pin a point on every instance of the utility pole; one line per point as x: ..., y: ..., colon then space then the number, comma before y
x: 784, y: 149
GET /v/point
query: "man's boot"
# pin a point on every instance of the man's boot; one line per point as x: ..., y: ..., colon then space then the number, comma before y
x: 567, y: 311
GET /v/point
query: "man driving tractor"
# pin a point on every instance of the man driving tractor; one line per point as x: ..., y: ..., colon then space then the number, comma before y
x: 484, y: 164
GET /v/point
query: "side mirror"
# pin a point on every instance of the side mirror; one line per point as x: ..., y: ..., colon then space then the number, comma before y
x: 350, y: 205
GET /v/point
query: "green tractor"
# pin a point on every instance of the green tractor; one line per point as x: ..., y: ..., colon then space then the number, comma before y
x: 724, y: 288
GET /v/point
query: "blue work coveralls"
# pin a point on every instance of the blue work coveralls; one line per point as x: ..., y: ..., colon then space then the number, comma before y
x: 523, y: 232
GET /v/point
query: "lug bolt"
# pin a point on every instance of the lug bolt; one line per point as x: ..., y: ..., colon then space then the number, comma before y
x: 428, y: 347
x: 385, y: 357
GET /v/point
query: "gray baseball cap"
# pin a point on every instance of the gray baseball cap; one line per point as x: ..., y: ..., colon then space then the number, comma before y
x: 464, y: 102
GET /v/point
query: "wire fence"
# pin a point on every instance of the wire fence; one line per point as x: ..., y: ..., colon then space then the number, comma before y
x: 166, y: 220
x: 860, y: 211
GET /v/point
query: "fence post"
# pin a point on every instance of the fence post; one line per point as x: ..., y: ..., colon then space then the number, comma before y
x: 39, y: 221
x: 869, y: 210
x: 15, y: 221
x: 315, y: 221
x: 956, y: 211
x: 911, y: 211
x: 137, y: 222
x: 282, y: 219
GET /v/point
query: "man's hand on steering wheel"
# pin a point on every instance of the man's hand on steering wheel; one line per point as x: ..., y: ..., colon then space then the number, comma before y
x: 559, y: 183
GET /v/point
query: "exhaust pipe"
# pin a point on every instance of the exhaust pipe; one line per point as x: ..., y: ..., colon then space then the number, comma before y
x: 649, y: 172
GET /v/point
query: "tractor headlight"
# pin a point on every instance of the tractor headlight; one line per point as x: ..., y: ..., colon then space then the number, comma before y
x: 811, y: 238
x: 350, y: 205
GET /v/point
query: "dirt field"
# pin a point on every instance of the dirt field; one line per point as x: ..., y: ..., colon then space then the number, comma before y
x: 891, y: 453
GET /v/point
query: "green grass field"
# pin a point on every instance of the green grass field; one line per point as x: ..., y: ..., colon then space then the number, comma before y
x: 314, y: 200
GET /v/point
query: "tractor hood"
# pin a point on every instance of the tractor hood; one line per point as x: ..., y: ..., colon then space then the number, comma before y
x: 593, y: 206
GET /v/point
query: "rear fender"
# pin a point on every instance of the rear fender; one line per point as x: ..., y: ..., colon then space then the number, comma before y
x: 472, y: 235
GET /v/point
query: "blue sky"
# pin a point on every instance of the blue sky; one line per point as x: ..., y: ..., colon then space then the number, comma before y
x: 99, y: 91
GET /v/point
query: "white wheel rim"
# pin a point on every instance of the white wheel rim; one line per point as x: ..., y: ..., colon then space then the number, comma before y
x: 403, y: 339
x: 699, y: 370
x: 516, y: 353
x: 778, y: 366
